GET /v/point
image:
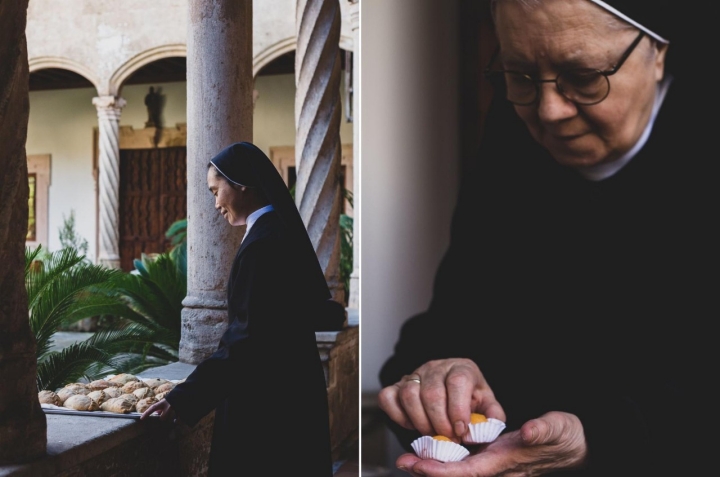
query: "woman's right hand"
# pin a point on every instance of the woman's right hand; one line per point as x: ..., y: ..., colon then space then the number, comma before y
x: 163, y: 408
x: 439, y: 396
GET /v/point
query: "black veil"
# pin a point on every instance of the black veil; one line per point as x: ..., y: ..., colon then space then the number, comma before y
x: 245, y: 164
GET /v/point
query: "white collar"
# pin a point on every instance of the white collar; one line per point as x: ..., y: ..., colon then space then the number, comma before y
x: 603, y: 171
x: 254, y: 216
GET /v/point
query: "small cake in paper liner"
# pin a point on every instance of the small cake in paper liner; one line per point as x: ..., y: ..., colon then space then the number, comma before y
x: 483, y: 429
x: 439, y: 448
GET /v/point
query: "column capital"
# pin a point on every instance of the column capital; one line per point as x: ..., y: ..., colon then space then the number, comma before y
x: 109, y: 106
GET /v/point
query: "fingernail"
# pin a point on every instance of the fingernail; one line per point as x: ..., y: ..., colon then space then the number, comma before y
x: 459, y: 428
x: 418, y: 472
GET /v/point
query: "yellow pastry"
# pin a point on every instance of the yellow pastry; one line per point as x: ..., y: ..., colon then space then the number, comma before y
x: 476, y: 418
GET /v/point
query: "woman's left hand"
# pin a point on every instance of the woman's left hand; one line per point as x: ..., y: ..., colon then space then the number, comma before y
x: 551, y: 442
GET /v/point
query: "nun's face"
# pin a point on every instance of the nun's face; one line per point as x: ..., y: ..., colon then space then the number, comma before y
x: 558, y: 35
x: 229, y: 201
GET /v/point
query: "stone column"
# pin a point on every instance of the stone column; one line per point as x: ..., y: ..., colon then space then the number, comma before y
x: 22, y: 421
x: 108, y: 110
x: 317, y: 125
x: 354, y: 292
x: 219, y: 113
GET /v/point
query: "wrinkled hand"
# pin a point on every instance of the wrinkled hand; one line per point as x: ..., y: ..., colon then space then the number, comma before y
x: 163, y: 408
x: 441, y: 403
x: 551, y: 442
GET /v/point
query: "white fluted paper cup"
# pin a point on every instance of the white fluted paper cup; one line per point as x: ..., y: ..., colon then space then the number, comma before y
x: 445, y: 451
x: 484, y: 432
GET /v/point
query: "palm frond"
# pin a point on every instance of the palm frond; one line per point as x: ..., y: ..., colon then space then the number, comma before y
x: 68, y: 365
x: 37, y: 279
x: 134, y: 363
x: 61, y: 298
x: 30, y: 256
x: 157, y: 295
x: 177, y: 232
x: 137, y: 339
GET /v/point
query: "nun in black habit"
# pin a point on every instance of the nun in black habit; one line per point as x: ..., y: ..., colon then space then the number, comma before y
x: 265, y: 381
x: 575, y: 298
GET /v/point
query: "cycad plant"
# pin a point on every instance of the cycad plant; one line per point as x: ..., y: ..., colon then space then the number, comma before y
x: 57, y: 287
x: 150, y: 305
x: 63, y: 288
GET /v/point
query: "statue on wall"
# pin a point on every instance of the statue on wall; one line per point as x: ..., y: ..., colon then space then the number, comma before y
x: 153, y: 101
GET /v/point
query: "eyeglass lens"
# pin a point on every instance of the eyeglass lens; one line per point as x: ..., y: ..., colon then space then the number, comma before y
x: 580, y: 86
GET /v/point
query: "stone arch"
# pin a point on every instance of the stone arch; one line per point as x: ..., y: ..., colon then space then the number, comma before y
x: 138, y: 61
x: 268, y: 54
x: 45, y: 62
x: 277, y: 49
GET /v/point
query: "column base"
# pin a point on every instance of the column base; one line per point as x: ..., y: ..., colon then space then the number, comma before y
x: 110, y: 262
x: 202, y: 329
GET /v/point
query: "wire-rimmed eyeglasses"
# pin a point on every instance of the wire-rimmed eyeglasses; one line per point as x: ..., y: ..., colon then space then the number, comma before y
x: 584, y: 86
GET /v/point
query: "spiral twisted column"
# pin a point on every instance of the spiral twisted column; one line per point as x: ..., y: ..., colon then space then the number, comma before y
x: 108, y: 110
x: 317, y: 126
x: 22, y: 422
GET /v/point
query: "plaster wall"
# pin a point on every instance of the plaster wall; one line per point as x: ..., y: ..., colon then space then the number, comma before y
x: 61, y: 125
x: 410, y: 164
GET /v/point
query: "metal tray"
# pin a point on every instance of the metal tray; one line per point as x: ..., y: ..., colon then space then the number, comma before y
x: 72, y: 412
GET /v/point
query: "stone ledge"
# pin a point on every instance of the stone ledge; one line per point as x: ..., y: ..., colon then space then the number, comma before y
x: 85, y: 446
x: 75, y: 440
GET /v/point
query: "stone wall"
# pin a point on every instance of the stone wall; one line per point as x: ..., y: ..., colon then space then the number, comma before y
x: 343, y: 390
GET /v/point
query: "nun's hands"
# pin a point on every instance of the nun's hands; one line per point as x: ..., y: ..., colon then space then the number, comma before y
x: 163, y: 408
x: 439, y: 397
x: 551, y: 442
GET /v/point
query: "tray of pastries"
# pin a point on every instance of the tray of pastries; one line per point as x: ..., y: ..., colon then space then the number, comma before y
x: 121, y: 396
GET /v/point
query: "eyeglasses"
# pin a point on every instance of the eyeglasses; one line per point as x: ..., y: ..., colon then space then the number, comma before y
x: 584, y: 86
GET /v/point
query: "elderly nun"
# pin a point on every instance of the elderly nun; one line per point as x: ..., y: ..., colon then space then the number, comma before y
x: 574, y: 295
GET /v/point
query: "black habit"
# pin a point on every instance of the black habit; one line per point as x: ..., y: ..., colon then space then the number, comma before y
x: 593, y: 298
x: 266, y: 381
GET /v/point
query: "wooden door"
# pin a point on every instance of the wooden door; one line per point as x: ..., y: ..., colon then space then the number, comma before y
x: 153, y: 195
